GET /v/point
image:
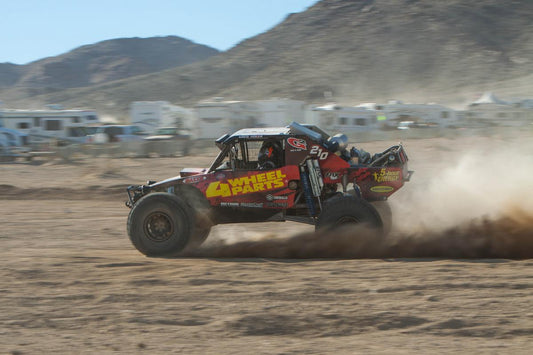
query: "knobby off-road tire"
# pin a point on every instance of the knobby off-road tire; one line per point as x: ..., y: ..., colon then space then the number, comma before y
x: 345, y: 211
x: 385, y: 212
x: 160, y: 224
x: 202, y: 223
x: 202, y: 229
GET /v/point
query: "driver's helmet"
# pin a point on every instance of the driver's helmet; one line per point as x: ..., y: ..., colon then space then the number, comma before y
x: 269, y: 152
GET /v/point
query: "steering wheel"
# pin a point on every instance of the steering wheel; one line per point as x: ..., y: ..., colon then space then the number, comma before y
x: 267, y: 165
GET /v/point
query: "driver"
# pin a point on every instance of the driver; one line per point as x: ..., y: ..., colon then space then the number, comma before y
x: 359, y: 157
x: 269, y: 155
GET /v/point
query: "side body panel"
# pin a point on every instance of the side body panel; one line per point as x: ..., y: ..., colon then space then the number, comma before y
x: 377, y: 183
x: 248, y: 189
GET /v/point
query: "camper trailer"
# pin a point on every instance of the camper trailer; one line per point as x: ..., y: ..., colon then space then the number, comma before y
x: 44, y: 126
x: 151, y: 115
x: 278, y: 112
x: 336, y: 118
x: 217, y: 116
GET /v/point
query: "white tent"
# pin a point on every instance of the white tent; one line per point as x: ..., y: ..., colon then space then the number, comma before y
x: 489, y: 98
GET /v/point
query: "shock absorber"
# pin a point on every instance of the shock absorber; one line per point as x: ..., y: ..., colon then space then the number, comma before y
x: 308, y: 193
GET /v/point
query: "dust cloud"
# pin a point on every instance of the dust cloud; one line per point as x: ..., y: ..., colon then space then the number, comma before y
x: 472, y: 205
x: 488, y: 182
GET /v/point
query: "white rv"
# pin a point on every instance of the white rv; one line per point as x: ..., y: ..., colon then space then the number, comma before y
x: 151, y: 115
x: 279, y: 112
x: 43, y: 126
x: 337, y: 118
x: 216, y: 117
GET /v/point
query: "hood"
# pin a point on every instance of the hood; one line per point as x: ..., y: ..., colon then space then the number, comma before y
x: 192, y: 171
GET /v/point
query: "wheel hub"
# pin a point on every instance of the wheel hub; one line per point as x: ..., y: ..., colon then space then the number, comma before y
x: 158, y: 227
x: 344, y: 220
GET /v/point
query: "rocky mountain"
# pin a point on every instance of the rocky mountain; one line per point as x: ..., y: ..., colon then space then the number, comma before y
x: 9, y: 74
x: 104, y: 61
x: 353, y: 50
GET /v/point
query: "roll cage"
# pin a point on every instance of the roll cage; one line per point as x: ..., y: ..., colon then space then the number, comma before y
x: 242, y: 154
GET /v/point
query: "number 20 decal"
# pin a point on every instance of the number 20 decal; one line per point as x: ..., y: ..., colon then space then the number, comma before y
x: 321, y: 154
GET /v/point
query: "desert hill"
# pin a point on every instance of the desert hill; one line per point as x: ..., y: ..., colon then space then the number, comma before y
x: 357, y: 50
x: 102, y: 62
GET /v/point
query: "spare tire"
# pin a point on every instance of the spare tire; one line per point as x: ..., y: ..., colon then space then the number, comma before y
x: 160, y: 224
x: 345, y: 210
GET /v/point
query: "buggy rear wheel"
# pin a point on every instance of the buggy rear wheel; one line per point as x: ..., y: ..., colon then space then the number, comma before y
x: 345, y: 211
x: 385, y: 212
x: 160, y: 224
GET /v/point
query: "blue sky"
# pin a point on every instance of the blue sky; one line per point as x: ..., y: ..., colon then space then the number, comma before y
x: 35, y: 29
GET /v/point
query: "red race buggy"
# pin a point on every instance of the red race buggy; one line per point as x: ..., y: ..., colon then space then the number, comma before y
x: 294, y: 173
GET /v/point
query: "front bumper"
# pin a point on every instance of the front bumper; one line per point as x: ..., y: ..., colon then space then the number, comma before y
x: 135, y: 192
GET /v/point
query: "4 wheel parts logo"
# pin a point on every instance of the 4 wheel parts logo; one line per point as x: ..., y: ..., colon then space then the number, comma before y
x: 247, y: 184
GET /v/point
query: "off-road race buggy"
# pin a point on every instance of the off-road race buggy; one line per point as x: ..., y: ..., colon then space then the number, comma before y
x: 294, y: 173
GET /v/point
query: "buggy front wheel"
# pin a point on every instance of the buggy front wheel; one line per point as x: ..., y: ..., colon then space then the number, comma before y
x: 160, y: 224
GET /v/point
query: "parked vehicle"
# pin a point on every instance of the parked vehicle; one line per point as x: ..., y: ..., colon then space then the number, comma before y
x: 47, y: 126
x: 13, y: 142
x: 403, y: 125
x: 117, y: 133
x: 149, y: 115
x: 290, y: 173
x: 167, y: 134
x: 77, y: 135
x: 168, y: 141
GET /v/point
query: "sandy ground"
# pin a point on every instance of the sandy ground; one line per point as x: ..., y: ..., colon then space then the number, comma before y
x: 454, y: 276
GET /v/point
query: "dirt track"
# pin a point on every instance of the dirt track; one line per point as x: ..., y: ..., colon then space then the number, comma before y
x: 72, y: 283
